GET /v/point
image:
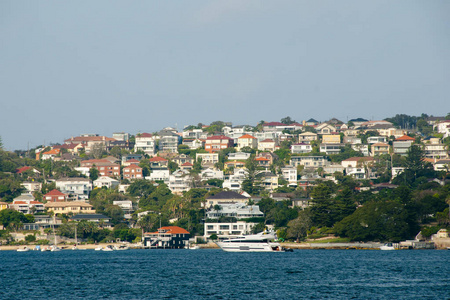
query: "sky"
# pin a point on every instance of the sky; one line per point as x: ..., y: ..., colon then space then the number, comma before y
x: 74, y: 67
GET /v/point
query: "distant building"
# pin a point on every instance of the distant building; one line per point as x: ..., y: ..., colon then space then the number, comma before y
x: 168, y: 237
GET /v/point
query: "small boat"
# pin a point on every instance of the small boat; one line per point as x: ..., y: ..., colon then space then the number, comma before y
x: 55, y: 248
x: 261, y: 242
x: 43, y: 249
x: 108, y: 248
x: 387, y: 246
x: 24, y: 249
x: 194, y: 247
x: 98, y: 248
x: 121, y: 247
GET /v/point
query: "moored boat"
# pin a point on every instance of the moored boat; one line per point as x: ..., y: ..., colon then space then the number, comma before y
x: 387, y: 246
x: 24, y: 249
x: 260, y: 242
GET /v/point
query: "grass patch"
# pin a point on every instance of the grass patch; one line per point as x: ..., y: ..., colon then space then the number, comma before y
x: 334, y: 240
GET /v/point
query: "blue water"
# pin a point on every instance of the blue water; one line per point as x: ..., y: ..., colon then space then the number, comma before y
x: 213, y: 274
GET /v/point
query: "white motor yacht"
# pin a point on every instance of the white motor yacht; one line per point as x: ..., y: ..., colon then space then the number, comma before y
x: 260, y: 242
x: 387, y: 246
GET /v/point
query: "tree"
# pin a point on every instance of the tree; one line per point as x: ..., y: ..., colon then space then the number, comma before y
x: 299, y: 227
x: 287, y: 120
x: 321, y: 211
x: 213, y: 237
x: 148, y: 222
x: 93, y: 173
x: 12, y: 219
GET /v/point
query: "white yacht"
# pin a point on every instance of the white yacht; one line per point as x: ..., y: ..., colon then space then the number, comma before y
x: 387, y: 246
x: 260, y: 242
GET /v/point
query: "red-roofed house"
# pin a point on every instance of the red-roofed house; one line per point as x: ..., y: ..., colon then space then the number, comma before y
x: 91, y: 141
x: 402, y: 144
x: 50, y: 154
x: 218, y: 142
x: 132, y: 172
x: 55, y: 196
x: 158, y: 162
x: 247, y: 141
x: 168, y: 237
x: 130, y: 162
x: 262, y: 162
x: 186, y: 166
x: 104, y: 167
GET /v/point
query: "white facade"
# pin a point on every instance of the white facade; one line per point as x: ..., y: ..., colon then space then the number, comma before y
x: 211, y: 174
x: 145, y: 143
x: 32, y: 186
x: 159, y: 175
x: 289, y: 174
x: 239, y: 156
x: 301, y: 148
x: 228, y: 230
x: 106, y: 181
x: 208, y: 159
x: 236, y: 210
x: 75, y: 187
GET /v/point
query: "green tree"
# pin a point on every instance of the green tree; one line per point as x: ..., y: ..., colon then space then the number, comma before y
x: 298, y: 228
x: 321, y: 210
x: 93, y: 173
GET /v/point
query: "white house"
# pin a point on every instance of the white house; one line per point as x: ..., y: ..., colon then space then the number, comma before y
x: 290, y: 174
x: 301, y: 148
x: 145, y: 142
x: 106, y: 181
x: 236, y: 210
x: 228, y: 230
x: 159, y: 175
x: 76, y: 187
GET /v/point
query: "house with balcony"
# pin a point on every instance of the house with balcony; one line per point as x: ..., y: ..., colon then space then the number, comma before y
x: 208, y: 159
x: 145, y: 142
x: 180, y: 181
x: 331, y: 148
x: 225, y: 197
x: 159, y: 175
x: 32, y: 186
x: 267, y: 145
x: 194, y: 143
x: 301, y: 148
x: 157, y: 162
x: 307, y: 137
x: 380, y: 149
x: 332, y: 138
x: 434, y: 149
x: 75, y: 187
x: 376, y: 139
x: 169, y: 141
x: 267, y: 180
x: 73, y: 207
x: 402, y: 144
x: 183, y: 158
x: 247, y: 141
x: 167, y: 237
x: 27, y: 204
x: 309, y: 161
x: 325, y: 128
x: 218, y: 142
x: 289, y: 174
x: 104, y: 166
x: 107, y: 182
x: 91, y: 141
x: 210, y: 173
x: 228, y: 230
x: 235, y: 210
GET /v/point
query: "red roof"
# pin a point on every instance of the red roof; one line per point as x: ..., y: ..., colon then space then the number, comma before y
x: 132, y: 167
x: 23, y: 169
x: 132, y: 160
x: 261, y: 159
x: 145, y: 135
x: 247, y: 136
x: 186, y: 164
x: 405, y: 138
x: 55, y: 192
x: 157, y: 158
x: 365, y: 158
x: 267, y: 141
x: 172, y: 230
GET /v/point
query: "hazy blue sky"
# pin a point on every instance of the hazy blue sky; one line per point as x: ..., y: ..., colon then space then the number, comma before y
x: 73, y: 67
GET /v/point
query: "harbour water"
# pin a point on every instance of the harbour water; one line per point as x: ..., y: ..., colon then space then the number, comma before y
x: 214, y: 274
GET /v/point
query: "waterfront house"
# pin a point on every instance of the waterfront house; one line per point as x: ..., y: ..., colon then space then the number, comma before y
x: 228, y: 230
x: 167, y: 237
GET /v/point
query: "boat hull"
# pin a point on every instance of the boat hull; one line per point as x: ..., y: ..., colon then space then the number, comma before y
x: 249, y: 247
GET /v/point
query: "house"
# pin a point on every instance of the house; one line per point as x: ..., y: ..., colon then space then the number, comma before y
x: 55, y: 196
x: 192, y: 134
x: 331, y: 148
x: 225, y: 197
x: 435, y: 149
x: 442, y: 165
x: 301, y: 148
x: 101, y: 220
x: 132, y: 172
x: 289, y: 174
x: 236, y: 164
x: 22, y: 170
x: 364, y: 149
x: 158, y: 162
x: 3, y: 205
x: 180, y: 181
x: 91, y: 141
x: 145, y: 142
x: 246, y: 141
x: 168, y: 237
x: 325, y: 128
x: 402, y: 144
x: 376, y: 139
x: 211, y: 174
x: 267, y: 179
x: 309, y: 161
x: 218, y: 142
x: 380, y: 149
x: 169, y: 140
x: 126, y: 205
x: 32, y: 186
x: 131, y: 157
x: 186, y: 166
x: 208, y: 159
x: 262, y: 161
x: 358, y: 121
x: 239, y: 156
x: 235, y: 210
x: 268, y: 155
x: 74, y: 207
x: 104, y: 166
x: 228, y: 230
x: 193, y: 143
x: 443, y: 127
x: 26, y: 204
x: 234, y: 182
x: 51, y: 154
x: 71, y: 147
x: 311, y: 122
x: 354, y: 162
x: 332, y: 138
x: 388, y: 131
x: 121, y: 136
x: 130, y: 162
x: 307, y: 137
x: 267, y: 145
x: 183, y: 158
x: 159, y: 175
x: 43, y: 222
x: 105, y: 181
x: 75, y: 187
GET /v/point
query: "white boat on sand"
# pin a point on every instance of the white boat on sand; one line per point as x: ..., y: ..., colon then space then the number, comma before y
x: 260, y: 242
x: 24, y: 249
x: 387, y: 246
